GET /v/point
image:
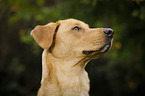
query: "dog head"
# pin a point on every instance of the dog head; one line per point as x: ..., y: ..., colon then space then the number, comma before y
x: 73, y: 38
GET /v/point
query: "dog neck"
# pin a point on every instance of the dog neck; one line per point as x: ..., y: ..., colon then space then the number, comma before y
x: 65, y: 74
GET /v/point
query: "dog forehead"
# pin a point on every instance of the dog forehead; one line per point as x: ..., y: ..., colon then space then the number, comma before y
x: 72, y: 22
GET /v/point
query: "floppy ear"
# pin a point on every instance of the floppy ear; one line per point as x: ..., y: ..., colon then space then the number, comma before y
x: 43, y: 35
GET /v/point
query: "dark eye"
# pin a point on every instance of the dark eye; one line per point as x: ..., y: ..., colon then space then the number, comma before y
x: 77, y: 28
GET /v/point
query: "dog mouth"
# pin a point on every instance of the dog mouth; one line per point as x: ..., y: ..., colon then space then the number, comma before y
x: 102, y: 50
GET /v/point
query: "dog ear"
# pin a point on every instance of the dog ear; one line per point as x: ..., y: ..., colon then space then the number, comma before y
x: 43, y: 35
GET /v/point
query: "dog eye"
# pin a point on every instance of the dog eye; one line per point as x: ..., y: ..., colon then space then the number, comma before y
x: 77, y: 28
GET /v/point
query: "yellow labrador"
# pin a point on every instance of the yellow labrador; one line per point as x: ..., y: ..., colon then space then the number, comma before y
x: 68, y: 46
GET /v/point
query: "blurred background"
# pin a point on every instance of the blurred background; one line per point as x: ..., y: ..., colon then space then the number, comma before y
x: 119, y: 72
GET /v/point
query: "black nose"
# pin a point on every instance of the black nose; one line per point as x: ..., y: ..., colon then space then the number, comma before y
x: 108, y: 32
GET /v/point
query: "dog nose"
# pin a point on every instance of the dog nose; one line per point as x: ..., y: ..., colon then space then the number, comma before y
x: 108, y: 32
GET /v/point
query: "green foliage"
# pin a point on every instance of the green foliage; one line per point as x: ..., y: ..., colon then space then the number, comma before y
x: 120, y: 72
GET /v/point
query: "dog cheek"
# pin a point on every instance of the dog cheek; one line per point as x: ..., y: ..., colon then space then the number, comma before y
x: 61, y: 50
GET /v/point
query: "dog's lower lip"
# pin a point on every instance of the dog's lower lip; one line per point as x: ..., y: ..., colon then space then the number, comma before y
x: 104, y: 49
x: 88, y: 52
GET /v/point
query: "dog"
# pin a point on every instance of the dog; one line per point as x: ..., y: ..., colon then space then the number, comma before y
x: 68, y: 46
